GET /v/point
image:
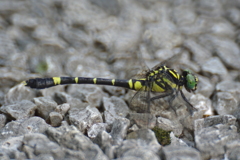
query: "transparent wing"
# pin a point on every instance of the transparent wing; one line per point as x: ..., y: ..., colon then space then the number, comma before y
x: 169, y: 62
x: 142, y: 101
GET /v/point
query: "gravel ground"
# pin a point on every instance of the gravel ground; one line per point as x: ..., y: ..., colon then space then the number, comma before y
x: 117, y: 39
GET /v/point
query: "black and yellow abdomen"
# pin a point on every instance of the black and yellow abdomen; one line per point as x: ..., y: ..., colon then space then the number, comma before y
x: 41, y: 83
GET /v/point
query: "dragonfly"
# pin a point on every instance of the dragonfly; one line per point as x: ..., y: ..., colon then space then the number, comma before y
x: 159, y: 79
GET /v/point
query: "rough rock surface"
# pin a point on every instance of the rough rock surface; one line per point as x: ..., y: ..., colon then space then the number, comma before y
x: 118, y: 39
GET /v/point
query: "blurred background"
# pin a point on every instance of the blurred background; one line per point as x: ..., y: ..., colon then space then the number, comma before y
x: 117, y: 39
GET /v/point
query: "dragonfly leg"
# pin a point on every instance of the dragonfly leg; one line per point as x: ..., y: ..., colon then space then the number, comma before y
x: 161, y: 96
x: 170, y: 103
x: 170, y: 100
x: 189, y: 106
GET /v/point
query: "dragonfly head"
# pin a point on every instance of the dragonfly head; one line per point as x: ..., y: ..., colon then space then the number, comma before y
x: 190, y: 81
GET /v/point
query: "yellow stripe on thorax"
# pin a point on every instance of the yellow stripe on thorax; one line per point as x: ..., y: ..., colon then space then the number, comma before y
x: 56, y: 80
x: 157, y: 88
x: 76, y: 79
x: 170, y: 83
x: 94, y: 80
x: 174, y: 74
x: 165, y: 67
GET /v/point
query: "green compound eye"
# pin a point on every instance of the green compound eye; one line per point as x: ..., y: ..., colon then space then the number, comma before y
x: 190, y: 81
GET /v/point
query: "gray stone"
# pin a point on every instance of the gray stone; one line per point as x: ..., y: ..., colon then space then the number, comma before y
x: 225, y: 103
x: 3, y: 120
x: 119, y: 130
x: 107, y: 6
x: 9, y: 7
x: 73, y: 154
x: 183, y: 14
x: 24, y: 21
x: 141, y: 153
x: 44, y: 157
x: 177, y: 141
x: 53, y: 92
x: 200, y: 53
x: 164, y: 124
x: 208, y: 8
x: 145, y: 138
x: 33, y: 125
x: 164, y: 54
x: 116, y: 91
x: 48, y: 37
x: 234, y: 75
x: 205, y: 87
x: 77, y: 38
x: 11, y: 76
x: 185, y: 60
x: 226, y: 97
x: 11, y: 146
x: 12, y: 143
x: 95, y: 98
x: 73, y: 140
x: 233, y: 15
x: 200, y: 124
x: 180, y: 153
x: 232, y: 150
x: 2, y: 23
x: 104, y: 140
x: 133, y: 128
x: 222, y: 28
x: 203, y: 105
x: 24, y: 126
x: 143, y: 144
x: 227, y: 47
x: 62, y: 97
x: 143, y: 120
x: 4, y: 156
x: 83, y: 119
x: 17, y: 60
x: 124, y: 41
x: 159, y: 36
x: 214, y: 66
x: 18, y: 93
x: 95, y: 129
x: 35, y: 144
x: 62, y: 109
x: 7, y: 45
x: 87, y: 93
x: 233, y: 153
x: 2, y: 95
x: 77, y: 65
x: 54, y: 134
x: 228, y: 86
x: 169, y: 125
x: 51, y: 61
x: 129, y: 158
x: 45, y: 105
x: 23, y: 109
x: 211, y: 141
x: 115, y: 108
x: 185, y: 121
x: 55, y: 119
